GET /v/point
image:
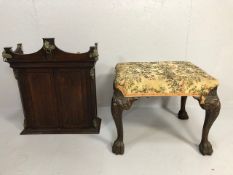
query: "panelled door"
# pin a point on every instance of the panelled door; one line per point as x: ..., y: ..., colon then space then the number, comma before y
x: 38, y: 98
x: 73, y: 97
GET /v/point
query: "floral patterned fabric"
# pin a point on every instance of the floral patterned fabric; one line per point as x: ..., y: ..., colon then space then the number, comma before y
x: 165, y: 78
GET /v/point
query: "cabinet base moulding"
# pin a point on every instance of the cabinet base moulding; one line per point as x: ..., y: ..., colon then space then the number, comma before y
x: 89, y: 130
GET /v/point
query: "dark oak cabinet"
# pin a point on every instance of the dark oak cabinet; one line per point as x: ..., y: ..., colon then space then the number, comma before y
x: 57, y: 89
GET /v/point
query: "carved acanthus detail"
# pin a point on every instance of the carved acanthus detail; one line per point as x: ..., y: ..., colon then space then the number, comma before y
x: 94, y: 54
x: 6, y: 56
x: 122, y: 102
x: 92, y: 73
x: 48, y: 47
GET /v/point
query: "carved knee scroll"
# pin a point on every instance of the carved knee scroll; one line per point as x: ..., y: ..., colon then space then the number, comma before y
x: 119, y: 103
x: 123, y: 102
x: 211, y: 105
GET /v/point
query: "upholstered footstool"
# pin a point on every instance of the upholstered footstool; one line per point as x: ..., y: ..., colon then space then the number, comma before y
x: 166, y: 78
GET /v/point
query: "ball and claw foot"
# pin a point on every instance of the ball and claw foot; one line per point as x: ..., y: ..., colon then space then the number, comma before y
x: 183, y: 115
x: 118, y: 147
x: 206, y: 148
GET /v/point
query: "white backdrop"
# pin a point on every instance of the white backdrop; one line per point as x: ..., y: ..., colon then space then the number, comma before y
x: 126, y: 30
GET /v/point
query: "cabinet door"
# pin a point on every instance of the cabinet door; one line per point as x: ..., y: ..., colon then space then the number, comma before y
x: 38, y: 98
x: 74, y: 97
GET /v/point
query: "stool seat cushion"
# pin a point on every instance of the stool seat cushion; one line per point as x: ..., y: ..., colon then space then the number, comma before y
x: 165, y: 78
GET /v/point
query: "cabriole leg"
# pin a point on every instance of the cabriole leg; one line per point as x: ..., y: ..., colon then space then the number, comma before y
x: 212, y: 107
x: 182, y: 113
x: 119, y: 103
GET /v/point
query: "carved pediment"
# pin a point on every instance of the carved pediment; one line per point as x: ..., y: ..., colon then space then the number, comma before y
x: 48, y: 53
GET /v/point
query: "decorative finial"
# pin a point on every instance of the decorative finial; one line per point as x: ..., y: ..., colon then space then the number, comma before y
x: 94, y: 52
x: 48, y: 45
x: 19, y: 49
x: 6, y: 55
